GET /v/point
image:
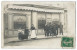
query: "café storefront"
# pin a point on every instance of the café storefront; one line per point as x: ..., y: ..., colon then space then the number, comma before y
x: 20, y: 16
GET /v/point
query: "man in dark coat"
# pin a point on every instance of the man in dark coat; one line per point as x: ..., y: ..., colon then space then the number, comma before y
x: 51, y: 29
x: 45, y: 30
x: 54, y: 29
x: 61, y: 29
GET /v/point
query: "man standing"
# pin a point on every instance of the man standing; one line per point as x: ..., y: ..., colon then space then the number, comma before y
x: 61, y: 29
x: 51, y: 29
x: 45, y: 27
x: 48, y: 29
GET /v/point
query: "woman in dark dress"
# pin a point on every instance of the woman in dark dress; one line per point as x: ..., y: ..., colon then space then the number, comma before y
x: 26, y: 31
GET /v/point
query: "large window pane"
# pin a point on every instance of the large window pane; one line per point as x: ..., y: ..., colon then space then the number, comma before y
x: 41, y: 20
x: 19, y: 22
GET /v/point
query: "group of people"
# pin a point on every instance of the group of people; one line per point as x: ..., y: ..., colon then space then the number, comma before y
x: 27, y: 32
x: 49, y: 29
x: 52, y: 29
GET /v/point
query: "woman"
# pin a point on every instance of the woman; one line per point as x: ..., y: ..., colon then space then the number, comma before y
x: 26, y: 32
x: 20, y: 34
x: 33, y: 32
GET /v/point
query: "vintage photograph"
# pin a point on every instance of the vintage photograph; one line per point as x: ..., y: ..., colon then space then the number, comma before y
x: 38, y: 24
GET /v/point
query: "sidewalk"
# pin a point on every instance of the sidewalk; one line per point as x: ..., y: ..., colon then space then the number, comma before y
x: 38, y: 37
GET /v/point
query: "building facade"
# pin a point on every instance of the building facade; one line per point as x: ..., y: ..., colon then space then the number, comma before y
x: 24, y: 15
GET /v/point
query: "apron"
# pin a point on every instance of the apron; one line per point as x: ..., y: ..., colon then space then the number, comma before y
x: 33, y: 33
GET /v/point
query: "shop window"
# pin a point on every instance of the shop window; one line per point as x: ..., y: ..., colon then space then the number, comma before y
x: 18, y: 25
x: 19, y: 22
x: 41, y: 24
x: 41, y: 21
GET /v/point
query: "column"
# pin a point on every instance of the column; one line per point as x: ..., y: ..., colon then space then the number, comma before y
x: 34, y: 19
x: 49, y: 17
x: 5, y: 24
x: 10, y: 25
x: 28, y: 20
x: 65, y: 20
x: 10, y: 21
x: 62, y: 20
x: 60, y: 17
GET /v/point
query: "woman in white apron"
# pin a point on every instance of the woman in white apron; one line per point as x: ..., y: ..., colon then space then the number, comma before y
x: 33, y: 32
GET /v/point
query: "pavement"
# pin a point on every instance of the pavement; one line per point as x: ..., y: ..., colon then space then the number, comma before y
x: 40, y: 42
x: 7, y: 40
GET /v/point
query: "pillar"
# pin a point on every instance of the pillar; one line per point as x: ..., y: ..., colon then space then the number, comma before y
x: 10, y: 25
x: 62, y: 20
x: 34, y: 19
x: 28, y: 19
x: 10, y: 21
x: 65, y: 20
x: 48, y: 17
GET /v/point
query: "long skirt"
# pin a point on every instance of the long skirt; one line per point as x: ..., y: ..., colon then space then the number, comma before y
x: 33, y: 34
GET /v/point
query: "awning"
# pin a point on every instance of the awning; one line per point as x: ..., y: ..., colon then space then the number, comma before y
x: 34, y: 9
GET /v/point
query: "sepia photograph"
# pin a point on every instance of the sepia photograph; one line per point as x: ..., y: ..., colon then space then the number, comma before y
x: 40, y: 24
